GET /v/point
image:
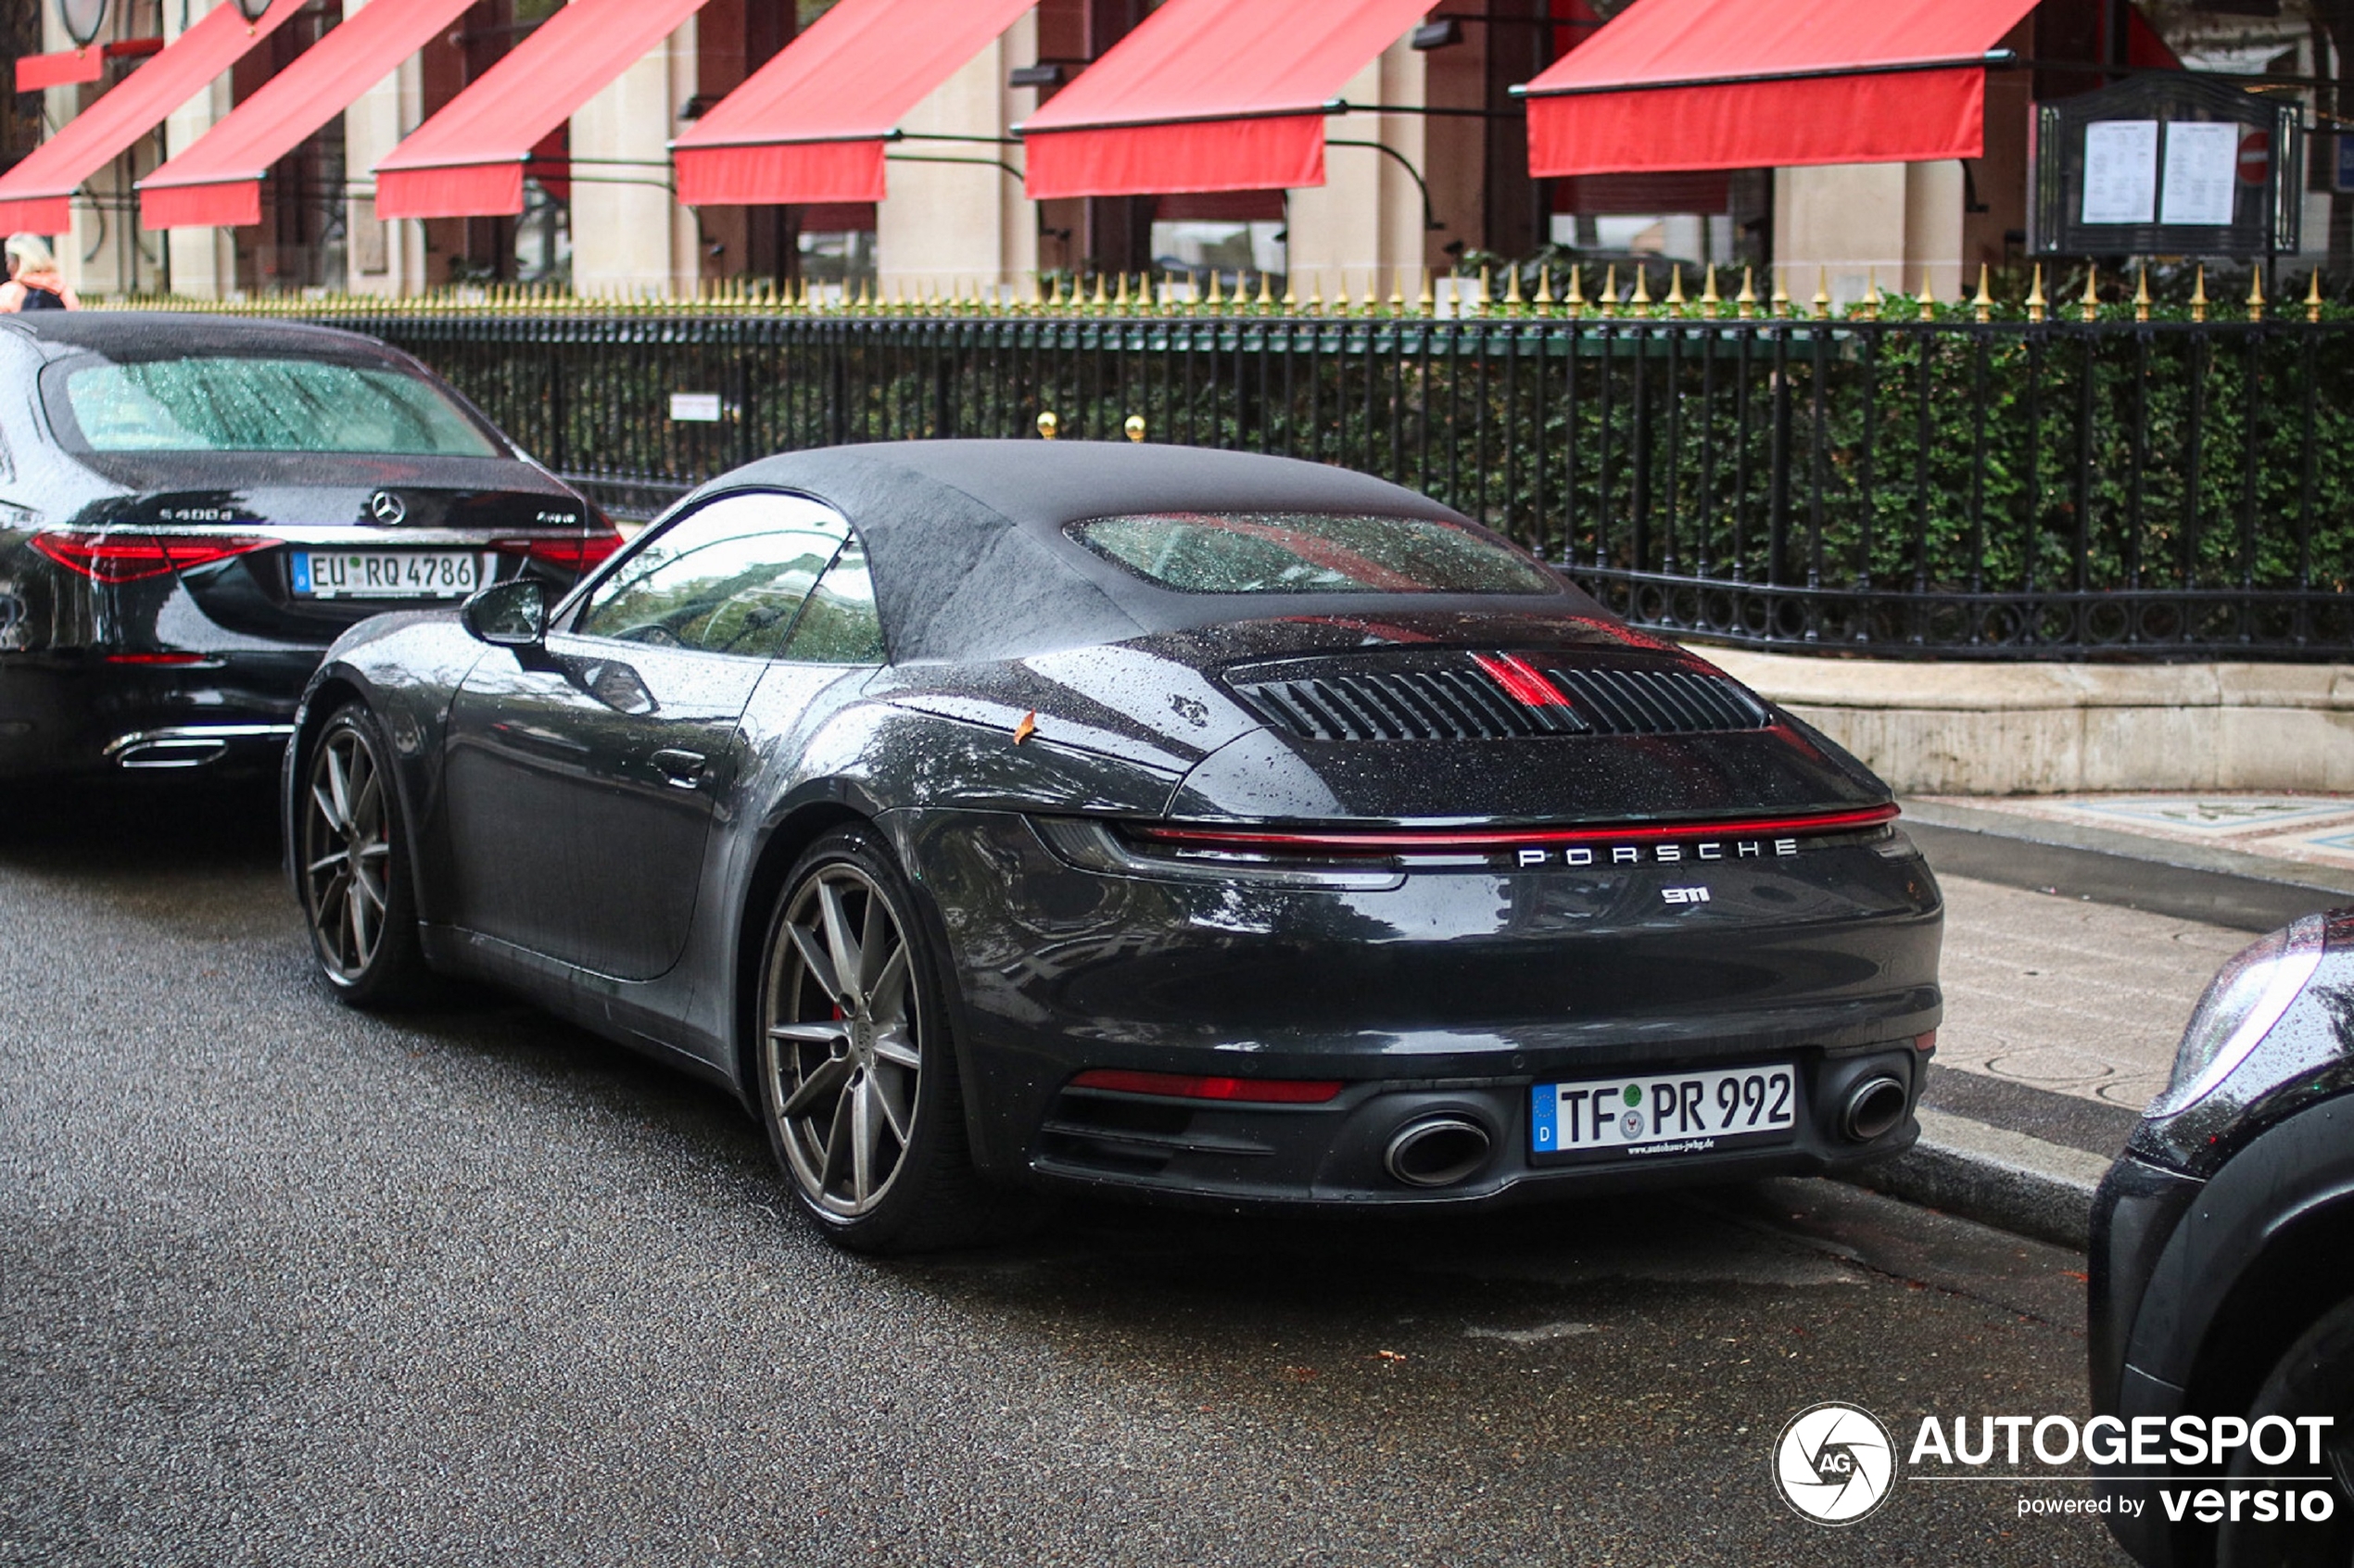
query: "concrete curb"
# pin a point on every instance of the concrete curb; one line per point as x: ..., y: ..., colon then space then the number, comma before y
x: 2011, y: 1180
x: 1994, y: 1176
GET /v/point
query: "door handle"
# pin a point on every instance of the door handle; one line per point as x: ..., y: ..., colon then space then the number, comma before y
x: 684, y: 769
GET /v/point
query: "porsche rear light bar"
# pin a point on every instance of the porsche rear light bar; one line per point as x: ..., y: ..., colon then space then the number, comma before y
x: 1395, y: 841
x: 111, y: 556
x: 1189, y: 1086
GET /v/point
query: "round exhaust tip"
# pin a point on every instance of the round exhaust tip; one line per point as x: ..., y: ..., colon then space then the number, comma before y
x: 1436, y: 1151
x: 1874, y: 1108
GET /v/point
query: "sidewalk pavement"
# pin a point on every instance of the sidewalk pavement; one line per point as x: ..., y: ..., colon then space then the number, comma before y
x: 2079, y: 933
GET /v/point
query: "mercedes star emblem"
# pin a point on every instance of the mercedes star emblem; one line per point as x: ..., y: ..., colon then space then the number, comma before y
x: 386, y: 508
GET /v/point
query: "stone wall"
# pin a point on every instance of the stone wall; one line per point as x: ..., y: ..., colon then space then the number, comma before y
x: 1949, y: 728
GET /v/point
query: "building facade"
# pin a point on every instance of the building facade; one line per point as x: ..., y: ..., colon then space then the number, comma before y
x: 1428, y: 169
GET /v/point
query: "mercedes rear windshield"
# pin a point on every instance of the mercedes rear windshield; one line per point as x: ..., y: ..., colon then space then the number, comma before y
x: 256, y: 403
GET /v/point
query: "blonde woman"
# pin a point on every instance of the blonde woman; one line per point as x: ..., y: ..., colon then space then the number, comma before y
x: 34, y: 281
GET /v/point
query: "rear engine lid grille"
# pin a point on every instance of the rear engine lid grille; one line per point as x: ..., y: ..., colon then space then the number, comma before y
x: 1495, y: 697
x: 1658, y: 701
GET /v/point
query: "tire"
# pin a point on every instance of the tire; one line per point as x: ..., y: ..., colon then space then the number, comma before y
x: 2316, y: 1378
x: 353, y: 871
x: 857, y: 1081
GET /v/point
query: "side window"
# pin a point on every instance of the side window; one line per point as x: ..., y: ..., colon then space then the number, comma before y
x: 727, y: 578
x: 839, y: 625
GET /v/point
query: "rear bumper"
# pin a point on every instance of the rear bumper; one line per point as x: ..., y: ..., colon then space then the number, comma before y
x: 65, y: 716
x: 1451, y: 994
x: 1338, y: 1154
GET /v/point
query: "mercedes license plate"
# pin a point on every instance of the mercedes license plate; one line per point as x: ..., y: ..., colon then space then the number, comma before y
x: 385, y: 574
x: 1662, y: 1115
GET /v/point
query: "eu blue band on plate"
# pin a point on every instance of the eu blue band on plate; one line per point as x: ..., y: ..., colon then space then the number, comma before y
x: 1543, y: 1100
x: 302, y: 571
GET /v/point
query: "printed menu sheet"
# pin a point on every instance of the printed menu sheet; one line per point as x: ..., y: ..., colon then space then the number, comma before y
x: 2120, y: 170
x: 2202, y: 160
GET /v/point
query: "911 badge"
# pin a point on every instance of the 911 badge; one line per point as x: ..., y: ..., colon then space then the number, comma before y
x: 1684, y: 895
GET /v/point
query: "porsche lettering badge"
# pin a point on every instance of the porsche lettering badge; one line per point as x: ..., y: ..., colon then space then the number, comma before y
x: 1661, y: 855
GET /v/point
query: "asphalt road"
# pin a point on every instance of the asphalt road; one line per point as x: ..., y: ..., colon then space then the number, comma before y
x: 282, y: 1284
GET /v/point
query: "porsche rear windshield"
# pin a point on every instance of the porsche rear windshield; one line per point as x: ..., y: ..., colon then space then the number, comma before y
x: 1309, y: 553
x: 263, y: 404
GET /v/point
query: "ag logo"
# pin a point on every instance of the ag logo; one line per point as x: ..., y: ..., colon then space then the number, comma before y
x: 386, y: 508
x: 1834, y: 1463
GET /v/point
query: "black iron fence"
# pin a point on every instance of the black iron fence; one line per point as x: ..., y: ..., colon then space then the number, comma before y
x: 1951, y: 486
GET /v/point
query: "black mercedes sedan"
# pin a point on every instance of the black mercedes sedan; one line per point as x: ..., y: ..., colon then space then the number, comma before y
x: 2221, y: 1308
x: 1194, y: 825
x: 192, y: 507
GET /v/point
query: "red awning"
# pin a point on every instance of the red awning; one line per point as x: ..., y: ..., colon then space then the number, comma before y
x: 2144, y: 47
x: 811, y: 125
x: 218, y: 179
x: 1699, y: 84
x: 467, y: 161
x: 70, y: 67
x: 36, y: 196
x: 1210, y: 95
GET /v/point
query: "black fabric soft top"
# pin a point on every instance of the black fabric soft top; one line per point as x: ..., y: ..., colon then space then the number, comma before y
x: 970, y: 562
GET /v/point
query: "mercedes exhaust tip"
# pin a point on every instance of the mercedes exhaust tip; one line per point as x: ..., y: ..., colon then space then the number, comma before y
x: 1873, y: 1109
x: 1436, y: 1151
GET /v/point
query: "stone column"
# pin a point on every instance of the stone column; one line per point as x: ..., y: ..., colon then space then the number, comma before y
x: 949, y: 224
x: 632, y: 239
x: 1848, y: 225
x: 1365, y: 222
x: 383, y: 256
x: 98, y: 257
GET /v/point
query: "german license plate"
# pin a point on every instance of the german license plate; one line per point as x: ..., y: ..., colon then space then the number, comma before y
x: 385, y: 574
x: 1662, y: 1115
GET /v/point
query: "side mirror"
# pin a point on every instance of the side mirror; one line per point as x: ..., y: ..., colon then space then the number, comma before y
x: 510, y: 615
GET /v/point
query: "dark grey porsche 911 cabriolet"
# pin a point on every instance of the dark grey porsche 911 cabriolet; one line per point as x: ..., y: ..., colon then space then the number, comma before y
x: 1183, y: 824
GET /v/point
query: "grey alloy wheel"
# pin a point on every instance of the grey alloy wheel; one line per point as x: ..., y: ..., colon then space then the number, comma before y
x: 842, y: 1043
x: 346, y: 853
